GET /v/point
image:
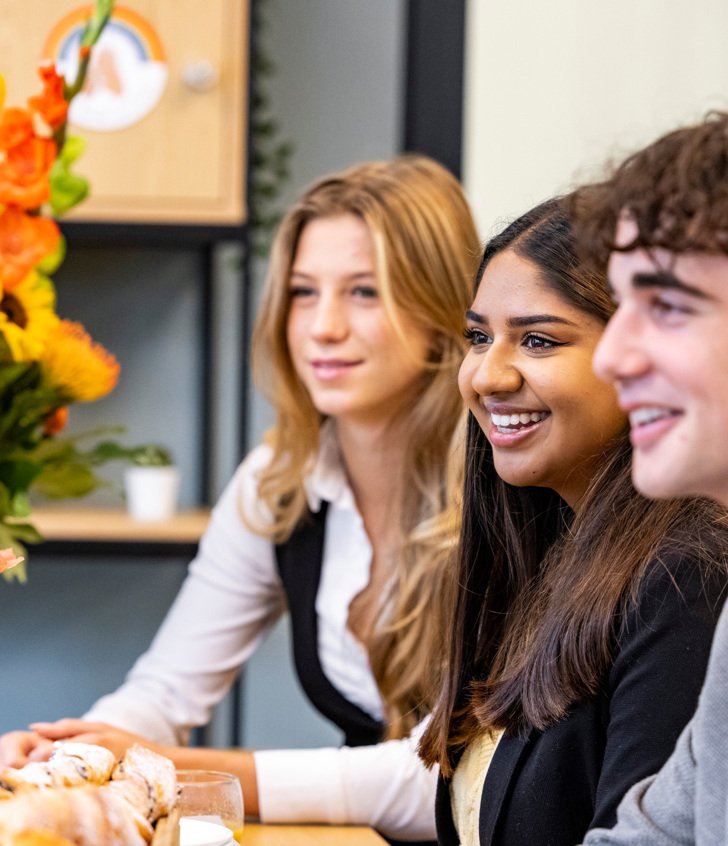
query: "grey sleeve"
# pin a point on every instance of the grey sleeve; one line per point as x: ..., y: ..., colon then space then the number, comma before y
x: 659, y: 810
x: 687, y: 801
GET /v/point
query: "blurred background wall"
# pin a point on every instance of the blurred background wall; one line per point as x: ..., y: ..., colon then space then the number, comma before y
x: 553, y: 90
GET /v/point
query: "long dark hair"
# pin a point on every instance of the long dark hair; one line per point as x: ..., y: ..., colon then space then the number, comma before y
x: 538, y: 588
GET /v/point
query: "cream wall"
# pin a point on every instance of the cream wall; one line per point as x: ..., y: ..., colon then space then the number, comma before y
x: 555, y: 87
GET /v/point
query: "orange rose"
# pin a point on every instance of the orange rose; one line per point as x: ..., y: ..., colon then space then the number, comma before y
x: 25, y: 161
x: 24, y: 241
x: 50, y: 104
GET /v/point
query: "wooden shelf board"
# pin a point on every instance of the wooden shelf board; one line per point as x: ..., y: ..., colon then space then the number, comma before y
x: 114, y: 524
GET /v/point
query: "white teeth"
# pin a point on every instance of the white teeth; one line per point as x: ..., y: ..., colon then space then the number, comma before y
x: 509, y: 421
x: 647, y: 414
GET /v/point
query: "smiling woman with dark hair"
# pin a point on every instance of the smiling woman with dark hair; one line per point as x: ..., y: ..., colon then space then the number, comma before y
x: 582, y: 612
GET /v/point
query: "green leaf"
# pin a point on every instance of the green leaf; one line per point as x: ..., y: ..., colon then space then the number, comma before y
x: 17, y: 476
x: 58, y: 481
x: 19, y: 572
x: 25, y: 532
x: 5, y: 502
x: 20, y: 506
x: 147, y: 455
x: 72, y: 148
x: 53, y: 260
x: 67, y: 188
x: 11, y: 372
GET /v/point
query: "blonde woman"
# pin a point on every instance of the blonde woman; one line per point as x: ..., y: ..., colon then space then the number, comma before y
x: 346, y: 515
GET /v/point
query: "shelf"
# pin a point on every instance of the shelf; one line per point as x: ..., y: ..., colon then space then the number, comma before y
x: 113, y: 525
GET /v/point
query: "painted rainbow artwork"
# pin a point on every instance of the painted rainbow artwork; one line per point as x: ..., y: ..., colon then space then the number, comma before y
x: 63, y: 39
x: 128, y: 73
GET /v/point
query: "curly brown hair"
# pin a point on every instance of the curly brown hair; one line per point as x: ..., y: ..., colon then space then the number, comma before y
x: 675, y: 190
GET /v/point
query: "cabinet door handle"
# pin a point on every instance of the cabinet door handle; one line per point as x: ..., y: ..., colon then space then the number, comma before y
x: 200, y: 76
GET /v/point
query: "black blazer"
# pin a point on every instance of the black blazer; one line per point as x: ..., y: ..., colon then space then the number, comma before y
x: 549, y: 788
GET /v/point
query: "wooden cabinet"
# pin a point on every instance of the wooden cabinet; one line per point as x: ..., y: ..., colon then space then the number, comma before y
x: 164, y: 109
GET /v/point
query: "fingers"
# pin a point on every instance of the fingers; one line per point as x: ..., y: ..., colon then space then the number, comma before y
x: 42, y: 750
x: 67, y: 728
x: 19, y: 747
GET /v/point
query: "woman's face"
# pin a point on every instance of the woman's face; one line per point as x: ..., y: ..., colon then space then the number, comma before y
x: 342, y: 343
x: 528, y: 380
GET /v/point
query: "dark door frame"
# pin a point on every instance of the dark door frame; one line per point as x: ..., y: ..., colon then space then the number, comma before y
x: 434, y: 80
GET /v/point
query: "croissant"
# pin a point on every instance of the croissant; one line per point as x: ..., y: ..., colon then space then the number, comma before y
x: 87, y: 816
x: 82, y: 795
x: 70, y: 764
x: 36, y: 837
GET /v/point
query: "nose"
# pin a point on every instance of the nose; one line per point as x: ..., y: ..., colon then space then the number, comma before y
x: 330, y: 321
x: 620, y: 354
x: 493, y: 372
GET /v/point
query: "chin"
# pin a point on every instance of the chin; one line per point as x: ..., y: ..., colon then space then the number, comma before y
x: 655, y: 486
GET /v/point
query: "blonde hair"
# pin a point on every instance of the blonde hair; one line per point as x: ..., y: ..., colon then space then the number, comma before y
x: 426, y: 253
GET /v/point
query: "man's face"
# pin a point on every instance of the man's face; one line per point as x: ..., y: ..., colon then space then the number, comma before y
x: 666, y: 351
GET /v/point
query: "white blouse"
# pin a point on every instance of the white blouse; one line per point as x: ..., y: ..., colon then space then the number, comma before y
x: 466, y: 787
x: 230, y: 599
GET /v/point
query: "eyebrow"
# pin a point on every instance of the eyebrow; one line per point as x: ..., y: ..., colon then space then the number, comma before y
x: 363, y: 274
x: 665, y: 279
x: 519, y: 322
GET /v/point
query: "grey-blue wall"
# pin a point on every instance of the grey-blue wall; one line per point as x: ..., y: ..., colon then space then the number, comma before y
x: 73, y: 631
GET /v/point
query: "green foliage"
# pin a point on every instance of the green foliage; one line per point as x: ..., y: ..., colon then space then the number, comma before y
x: 95, y: 24
x: 68, y: 189
x: 148, y: 455
x: 270, y: 156
x: 31, y: 411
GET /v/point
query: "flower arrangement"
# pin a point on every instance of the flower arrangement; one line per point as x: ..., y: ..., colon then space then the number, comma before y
x: 46, y: 362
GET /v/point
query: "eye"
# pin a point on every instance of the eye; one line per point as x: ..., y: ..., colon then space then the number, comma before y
x: 476, y: 337
x: 365, y: 292
x: 667, y: 310
x: 299, y: 292
x: 538, y: 342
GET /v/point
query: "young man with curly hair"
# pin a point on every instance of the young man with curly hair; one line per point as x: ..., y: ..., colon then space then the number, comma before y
x: 661, y: 222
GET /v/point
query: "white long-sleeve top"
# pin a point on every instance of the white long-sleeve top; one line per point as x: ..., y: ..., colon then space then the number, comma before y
x: 230, y: 599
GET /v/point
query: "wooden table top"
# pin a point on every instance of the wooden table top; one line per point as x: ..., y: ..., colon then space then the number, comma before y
x: 256, y: 834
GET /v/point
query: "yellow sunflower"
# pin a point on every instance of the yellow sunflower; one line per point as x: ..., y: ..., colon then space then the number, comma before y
x: 76, y: 366
x: 27, y: 316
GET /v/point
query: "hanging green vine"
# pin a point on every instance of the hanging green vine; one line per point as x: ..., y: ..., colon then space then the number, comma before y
x: 270, y: 155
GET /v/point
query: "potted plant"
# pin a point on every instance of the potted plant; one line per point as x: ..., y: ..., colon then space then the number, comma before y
x: 151, y: 482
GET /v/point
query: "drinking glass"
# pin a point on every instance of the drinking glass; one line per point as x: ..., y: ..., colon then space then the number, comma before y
x: 213, y: 797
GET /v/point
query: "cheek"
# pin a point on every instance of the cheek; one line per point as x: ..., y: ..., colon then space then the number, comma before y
x: 293, y: 341
x: 465, y: 378
x: 292, y: 329
x: 601, y: 419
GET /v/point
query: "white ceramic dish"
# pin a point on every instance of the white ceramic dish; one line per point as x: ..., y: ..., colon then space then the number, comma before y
x: 202, y: 833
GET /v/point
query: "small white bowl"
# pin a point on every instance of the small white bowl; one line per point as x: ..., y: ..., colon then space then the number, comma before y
x: 202, y: 833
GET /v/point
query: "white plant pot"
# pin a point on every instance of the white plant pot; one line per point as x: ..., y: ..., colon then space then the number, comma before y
x: 151, y: 492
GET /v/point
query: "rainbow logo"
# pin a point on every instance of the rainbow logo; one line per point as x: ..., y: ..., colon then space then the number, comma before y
x: 128, y: 72
x: 63, y: 40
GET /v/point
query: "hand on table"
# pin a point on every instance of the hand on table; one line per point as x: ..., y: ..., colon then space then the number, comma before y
x: 17, y: 748
x: 102, y: 734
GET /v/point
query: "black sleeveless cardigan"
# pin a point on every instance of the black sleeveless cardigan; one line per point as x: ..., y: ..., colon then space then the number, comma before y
x: 299, y: 562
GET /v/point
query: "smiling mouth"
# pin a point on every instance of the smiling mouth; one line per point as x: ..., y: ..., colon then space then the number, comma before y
x: 649, y: 414
x: 332, y: 364
x: 509, y: 423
